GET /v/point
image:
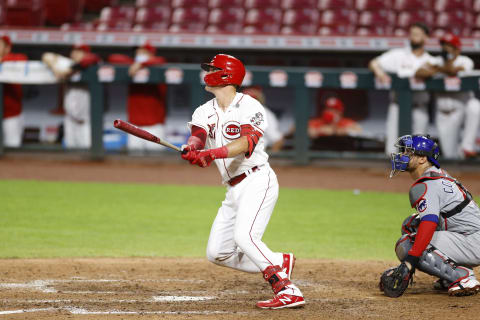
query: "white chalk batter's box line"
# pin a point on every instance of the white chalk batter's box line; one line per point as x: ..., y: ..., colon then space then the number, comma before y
x: 75, y: 310
x: 46, y: 285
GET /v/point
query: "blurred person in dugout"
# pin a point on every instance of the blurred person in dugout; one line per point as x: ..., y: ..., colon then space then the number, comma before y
x: 454, y: 109
x: 12, y: 99
x: 274, y: 139
x: 76, y: 99
x: 146, y: 101
x: 331, y: 122
x: 405, y: 63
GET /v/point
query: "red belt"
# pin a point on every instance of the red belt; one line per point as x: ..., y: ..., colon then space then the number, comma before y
x: 237, y: 179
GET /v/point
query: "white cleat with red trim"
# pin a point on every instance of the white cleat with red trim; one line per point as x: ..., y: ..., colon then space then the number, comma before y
x: 290, y: 297
x: 465, y: 287
x: 288, y: 264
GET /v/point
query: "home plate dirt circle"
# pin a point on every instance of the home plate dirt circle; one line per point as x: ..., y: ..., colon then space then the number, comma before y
x: 183, y: 288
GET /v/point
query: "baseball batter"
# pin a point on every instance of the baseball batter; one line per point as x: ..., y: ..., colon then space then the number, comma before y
x: 228, y: 130
x: 454, y: 109
x: 443, y: 237
x: 405, y: 62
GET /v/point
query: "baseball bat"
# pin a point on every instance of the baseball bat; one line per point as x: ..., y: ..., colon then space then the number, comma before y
x: 143, y: 134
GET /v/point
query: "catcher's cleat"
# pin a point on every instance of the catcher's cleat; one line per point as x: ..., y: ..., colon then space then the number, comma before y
x: 465, y: 287
x: 441, y: 285
x: 288, y: 264
x: 282, y: 300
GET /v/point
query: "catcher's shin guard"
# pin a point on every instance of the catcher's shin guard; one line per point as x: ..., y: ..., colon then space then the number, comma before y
x: 433, y: 262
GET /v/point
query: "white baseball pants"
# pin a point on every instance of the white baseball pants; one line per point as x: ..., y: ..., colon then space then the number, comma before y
x: 236, y: 235
x: 12, y: 131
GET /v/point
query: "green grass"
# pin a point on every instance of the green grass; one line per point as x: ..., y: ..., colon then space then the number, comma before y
x: 65, y: 219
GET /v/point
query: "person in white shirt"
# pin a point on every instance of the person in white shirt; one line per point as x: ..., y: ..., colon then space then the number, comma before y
x: 454, y: 109
x: 231, y: 127
x: 405, y: 62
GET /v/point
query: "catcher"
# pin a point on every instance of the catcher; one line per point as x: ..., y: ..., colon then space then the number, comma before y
x: 443, y: 237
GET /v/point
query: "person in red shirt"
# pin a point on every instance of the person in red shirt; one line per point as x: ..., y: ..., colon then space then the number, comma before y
x: 332, y: 121
x: 12, y: 99
x: 146, y: 102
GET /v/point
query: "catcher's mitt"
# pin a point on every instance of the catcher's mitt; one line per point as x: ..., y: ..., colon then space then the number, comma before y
x: 395, y: 281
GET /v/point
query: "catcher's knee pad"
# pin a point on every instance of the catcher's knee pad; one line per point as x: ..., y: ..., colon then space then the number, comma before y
x: 403, y: 245
x: 410, y: 224
x: 435, y: 263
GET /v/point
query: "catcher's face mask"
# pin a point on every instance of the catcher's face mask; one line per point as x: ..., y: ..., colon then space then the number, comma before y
x: 401, y: 158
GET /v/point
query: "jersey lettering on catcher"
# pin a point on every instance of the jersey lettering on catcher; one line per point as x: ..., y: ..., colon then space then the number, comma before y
x: 245, y: 116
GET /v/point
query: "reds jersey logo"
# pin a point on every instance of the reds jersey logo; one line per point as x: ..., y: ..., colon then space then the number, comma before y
x: 211, y: 130
x: 231, y: 130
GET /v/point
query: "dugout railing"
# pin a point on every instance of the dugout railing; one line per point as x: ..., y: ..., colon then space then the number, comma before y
x: 301, y: 80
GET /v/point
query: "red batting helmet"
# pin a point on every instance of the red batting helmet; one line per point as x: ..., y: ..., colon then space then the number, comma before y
x: 450, y: 39
x: 334, y: 103
x: 229, y: 70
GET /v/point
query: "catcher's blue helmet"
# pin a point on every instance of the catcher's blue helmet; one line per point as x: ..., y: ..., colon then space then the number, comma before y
x: 417, y: 144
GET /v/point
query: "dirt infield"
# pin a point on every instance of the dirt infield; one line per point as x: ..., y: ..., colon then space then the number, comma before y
x: 161, y: 288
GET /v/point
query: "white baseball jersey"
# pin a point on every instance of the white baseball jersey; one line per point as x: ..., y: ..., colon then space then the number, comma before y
x: 223, y: 127
x: 273, y: 133
x: 462, y: 96
x: 403, y: 62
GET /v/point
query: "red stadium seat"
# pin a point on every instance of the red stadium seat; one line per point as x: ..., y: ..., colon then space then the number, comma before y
x: 374, y: 31
x: 340, y: 30
x: 183, y: 16
x: 338, y: 17
x: 77, y: 26
x: 188, y: 27
x: 152, y: 3
x: 460, y: 31
x: 189, y: 3
x: 449, y: 5
x: 476, y: 22
x: 476, y: 33
x: 249, y: 4
x: 399, y: 32
x: 226, y: 15
x: 299, y: 4
x: 476, y: 6
x: 372, y: 4
x: 406, y: 18
x: 152, y: 26
x: 301, y: 16
x: 24, y: 4
x: 272, y: 15
x: 153, y: 14
x: 121, y: 25
x: 24, y: 13
x: 301, y: 28
x: 375, y: 18
x: 233, y: 27
x: 59, y: 12
x: 454, y: 19
x: 262, y: 27
x: 225, y: 3
x: 117, y: 13
x: 97, y: 5
x: 412, y: 5
x: 335, y: 4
